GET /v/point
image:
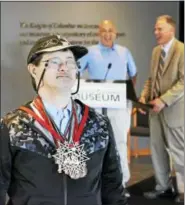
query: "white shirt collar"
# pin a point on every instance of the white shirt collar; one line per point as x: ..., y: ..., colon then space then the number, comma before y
x: 167, y: 46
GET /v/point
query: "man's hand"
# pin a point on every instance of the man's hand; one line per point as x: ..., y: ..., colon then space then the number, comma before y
x: 158, y: 105
x: 142, y: 100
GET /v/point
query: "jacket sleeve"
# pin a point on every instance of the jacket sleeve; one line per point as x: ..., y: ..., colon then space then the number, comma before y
x: 147, y: 89
x: 146, y: 92
x: 5, y: 162
x: 112, y: 188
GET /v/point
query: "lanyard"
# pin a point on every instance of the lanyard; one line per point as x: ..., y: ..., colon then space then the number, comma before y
x: 47, y: 124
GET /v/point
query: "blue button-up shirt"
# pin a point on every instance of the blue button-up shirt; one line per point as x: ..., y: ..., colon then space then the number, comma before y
x: 61, y: 117
x: 119, y: 59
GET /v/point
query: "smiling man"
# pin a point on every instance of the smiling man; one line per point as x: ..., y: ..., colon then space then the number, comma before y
x: 165, y: 91
x: 110, y: 61
x: 55, y: 150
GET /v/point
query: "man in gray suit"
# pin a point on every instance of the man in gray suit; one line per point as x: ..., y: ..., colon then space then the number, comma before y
x: 165, y: 91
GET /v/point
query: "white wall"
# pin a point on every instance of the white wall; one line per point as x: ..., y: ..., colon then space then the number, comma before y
x: 136, y: 19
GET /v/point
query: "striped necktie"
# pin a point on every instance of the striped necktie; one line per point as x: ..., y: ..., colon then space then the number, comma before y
x: 159, y: 74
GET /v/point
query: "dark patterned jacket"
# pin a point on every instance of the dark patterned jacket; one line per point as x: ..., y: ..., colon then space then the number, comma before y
x: 29, y: 175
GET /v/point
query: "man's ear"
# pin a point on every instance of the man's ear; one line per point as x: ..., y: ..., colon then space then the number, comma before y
x: 32, y: 70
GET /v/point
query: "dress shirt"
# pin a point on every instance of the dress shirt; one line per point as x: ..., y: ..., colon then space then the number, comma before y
x: 167, y: 47
x: 97, y: 60
x: 61, y: 116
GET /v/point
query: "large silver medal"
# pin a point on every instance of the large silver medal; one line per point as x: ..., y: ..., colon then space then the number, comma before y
x: 71, y: 159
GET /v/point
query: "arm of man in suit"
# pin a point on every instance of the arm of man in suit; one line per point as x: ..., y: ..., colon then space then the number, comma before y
x: 177, y: 91
x: 145, y: 94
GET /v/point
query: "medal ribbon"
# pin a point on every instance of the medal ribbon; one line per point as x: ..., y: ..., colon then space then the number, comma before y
x: 46, y: 123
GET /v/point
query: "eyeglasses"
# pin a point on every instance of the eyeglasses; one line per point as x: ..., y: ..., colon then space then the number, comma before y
x: 55, y: 63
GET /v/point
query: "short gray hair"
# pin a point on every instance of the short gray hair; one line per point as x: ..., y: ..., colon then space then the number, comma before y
x: 168, y: 19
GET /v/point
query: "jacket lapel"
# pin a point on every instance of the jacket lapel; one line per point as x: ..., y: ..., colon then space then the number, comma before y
x: 169, y: 57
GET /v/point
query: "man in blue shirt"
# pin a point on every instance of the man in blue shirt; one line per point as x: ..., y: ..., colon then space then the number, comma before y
x: 109, y: 61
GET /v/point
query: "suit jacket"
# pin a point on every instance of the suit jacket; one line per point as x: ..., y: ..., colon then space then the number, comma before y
x: 171, y: 84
